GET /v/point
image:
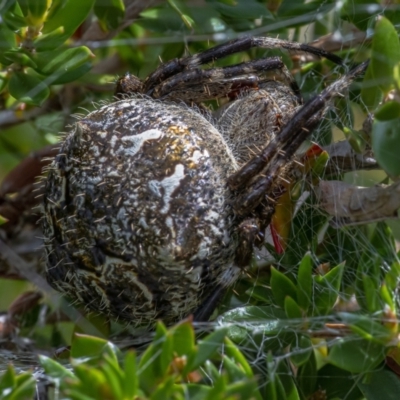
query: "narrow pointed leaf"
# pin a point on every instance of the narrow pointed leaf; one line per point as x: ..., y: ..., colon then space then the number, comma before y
x: 28, y: 88
x: 281, y: 287
x: 304, y: 282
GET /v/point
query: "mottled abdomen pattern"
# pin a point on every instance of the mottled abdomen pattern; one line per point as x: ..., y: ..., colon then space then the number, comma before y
x: 137, y: 216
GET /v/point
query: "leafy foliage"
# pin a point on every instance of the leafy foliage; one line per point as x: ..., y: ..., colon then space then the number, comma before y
x: 171, y: 367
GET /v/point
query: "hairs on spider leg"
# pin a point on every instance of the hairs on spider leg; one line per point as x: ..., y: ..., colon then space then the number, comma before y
x: 206, y: 309
x: 176, y: 66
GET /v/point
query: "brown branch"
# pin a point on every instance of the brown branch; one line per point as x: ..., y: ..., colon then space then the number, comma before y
x: 352, y: 205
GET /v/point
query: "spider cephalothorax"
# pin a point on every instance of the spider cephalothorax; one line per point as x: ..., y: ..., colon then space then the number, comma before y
x: 151, y: 208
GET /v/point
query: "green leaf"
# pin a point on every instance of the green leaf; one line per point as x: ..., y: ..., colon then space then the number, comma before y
x: 28, y: 88
x: 385, y: 144
x: 234, y: 372
x: 91, y: 381
x: 25, y: 387
x: 361, y: 12
x: 158, y: 18
x: 67, y: 16
x: 372, y: 299
x: 114, y: 377
x: 271, y: 389
x: 387, y: 111
x: 7, y: 380
x: 164, y: 389
x: 307, y: 375
x: 318, y: 167
x: 110, y: 13
x: 3, y: 220
x: 62, y: 61
x: 291, y: 9
x: 183, y: 339
x: 356, y: 355
x: 212, y: 371
x: 196, y: 391
x: 260, y: 293
x: 266, y: 320
x: 218, y: 389
x: 367, y: 328
x: 7, y: 42
x: 242, y: 390
x: 387, y: 297
x: 292, y: 309
x: 71, y: 75
x: 242, y: 9
x: 131, y: 382
x: 281, y: 287
x: 371, y: 94
x: 385, y: 53
x: 380, y: 383
x: 90, y: 349
x: 206, y: 348
x: 356, y: 139
x: 393, y: 276
x: 50, y: 41
x: 327, y: 289
x: 274, y: 389
x: 14, y: 18
x: 338, y: 384
x: 7, y: 4
x: 370, y: 265
x: 237, y: 333
x: 34, y: 11
x: 233, y: 352
x: 300, y: 350
x: 383, y: 243
x: 154, y: 362
x: 304, y: 282
x: 54, y: 369
x: 78, y: 395
x: 23, y: 5
x: 287, y: 382
x: 38, y: 10
x: 19, y: 56
x: 183, y: 12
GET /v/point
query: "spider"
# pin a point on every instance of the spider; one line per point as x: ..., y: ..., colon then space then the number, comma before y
x: 152, y: 207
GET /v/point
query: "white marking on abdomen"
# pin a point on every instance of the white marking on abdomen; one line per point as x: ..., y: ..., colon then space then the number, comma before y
x: 138, y: 140
x: 169, y: 184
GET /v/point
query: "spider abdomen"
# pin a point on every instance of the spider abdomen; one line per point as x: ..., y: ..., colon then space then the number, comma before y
x: 137, y: 215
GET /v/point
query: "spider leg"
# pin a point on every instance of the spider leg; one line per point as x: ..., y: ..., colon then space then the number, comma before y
x: 206, y: 309
x: 248, y: 231
x: 282, y: 148
x: 176, y: 66
x: 197, y: 85
x: 128, y: 84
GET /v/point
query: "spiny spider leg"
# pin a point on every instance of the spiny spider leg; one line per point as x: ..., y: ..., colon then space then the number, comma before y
x: 206, y: 309
x: 288, y: 139
x: 176, y: 66
x: 206, y: 84
x: 263, y: 183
